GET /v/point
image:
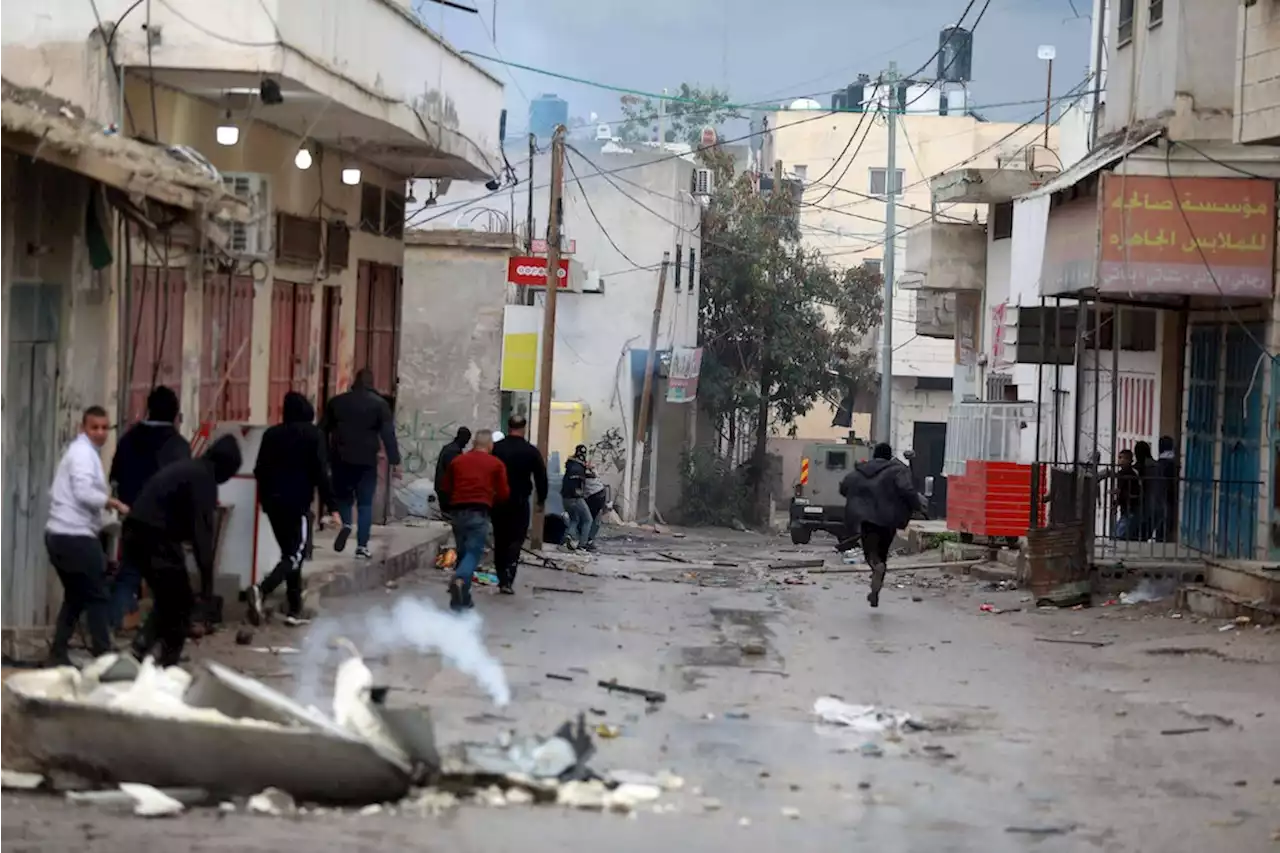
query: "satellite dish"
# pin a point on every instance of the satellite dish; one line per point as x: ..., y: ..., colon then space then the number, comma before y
x: 708, y: 137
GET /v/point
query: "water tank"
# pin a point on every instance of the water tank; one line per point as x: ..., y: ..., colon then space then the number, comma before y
x: 545, y: 112
x: 955, y: 55
x: 804, y: 104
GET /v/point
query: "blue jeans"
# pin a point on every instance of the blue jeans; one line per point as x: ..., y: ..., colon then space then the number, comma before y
x: 579, y: 520
x: 470, y: 533
x: 124, y: 593
x: 356, y: 484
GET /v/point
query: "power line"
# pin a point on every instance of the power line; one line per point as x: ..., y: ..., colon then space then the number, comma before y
x: 587, y: 199
x: 852, y: 159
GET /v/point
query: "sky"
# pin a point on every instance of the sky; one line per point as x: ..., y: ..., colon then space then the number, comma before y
x: 758, y: 49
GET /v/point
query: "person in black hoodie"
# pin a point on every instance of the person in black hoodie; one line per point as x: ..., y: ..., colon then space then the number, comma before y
x: 573, y: 489
x: 526, y: 472
x: 176, y: 506
x: 448, y: 453
x: 355, y: 422
x: 880, y: 499
x: 144, y: 449
x: 291, y: 470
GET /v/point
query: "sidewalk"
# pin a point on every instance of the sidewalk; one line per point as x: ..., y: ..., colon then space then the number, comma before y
x: 398, y: 549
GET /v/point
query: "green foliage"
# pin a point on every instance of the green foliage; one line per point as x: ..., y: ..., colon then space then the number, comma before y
x: 684, y: 121
x: 711, y: 492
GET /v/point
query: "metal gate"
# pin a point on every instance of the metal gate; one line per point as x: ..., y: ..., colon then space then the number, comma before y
x: 290, y: 368
x: 227, y: 354
x: 152, y: 340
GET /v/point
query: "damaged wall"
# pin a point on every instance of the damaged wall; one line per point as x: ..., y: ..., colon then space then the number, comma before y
x: 455, y: 285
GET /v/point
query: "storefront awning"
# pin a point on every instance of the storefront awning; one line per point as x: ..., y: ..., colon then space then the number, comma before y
x: 42, y: 127
x: 1108, y: 151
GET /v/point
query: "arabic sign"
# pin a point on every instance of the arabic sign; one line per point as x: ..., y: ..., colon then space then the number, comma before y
x: 528, y: 271
x: 1187, y: 236
x: 1070, y: 247
x: 682, y: 376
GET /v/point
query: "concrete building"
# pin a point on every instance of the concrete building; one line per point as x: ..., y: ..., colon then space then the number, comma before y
x: 314, y: 115
x: 623, y: 208
x: 843, y: 215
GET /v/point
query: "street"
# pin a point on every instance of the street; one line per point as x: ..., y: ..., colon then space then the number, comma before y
x: 1031, y: 744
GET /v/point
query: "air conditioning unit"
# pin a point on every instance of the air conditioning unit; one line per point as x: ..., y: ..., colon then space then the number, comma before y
x: 704, y: 182
x: 593, y: 283
x: 253, y: 238
x: 1012, y: 159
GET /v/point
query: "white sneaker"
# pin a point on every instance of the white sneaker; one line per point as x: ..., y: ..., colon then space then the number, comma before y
x: 363, y: 553
x: 296, y: 621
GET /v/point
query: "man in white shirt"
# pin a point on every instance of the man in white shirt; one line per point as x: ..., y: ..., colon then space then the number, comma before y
x: 76, y: 502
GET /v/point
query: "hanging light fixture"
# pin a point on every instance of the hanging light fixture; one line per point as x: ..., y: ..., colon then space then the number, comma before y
x: 227, y: 133
x: 351, y: 176
x: 303, y: 158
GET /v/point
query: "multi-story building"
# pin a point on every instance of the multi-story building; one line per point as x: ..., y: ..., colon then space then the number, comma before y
x: 314, y: 116
x: 843, y: 214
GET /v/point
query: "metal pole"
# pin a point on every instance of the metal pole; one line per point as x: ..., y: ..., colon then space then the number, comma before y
x: 1099, y: 52
x: 1048, y: 104
x: 1037, y: 473
x: 554, y: 218
x: 884, y: 411
x: 528, y: 222
x: 1057, y: 376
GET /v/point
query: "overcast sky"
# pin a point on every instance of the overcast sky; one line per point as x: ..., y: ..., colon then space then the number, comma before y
x: 759, y: 49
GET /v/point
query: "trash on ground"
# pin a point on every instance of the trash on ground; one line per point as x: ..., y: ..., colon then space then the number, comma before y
x: 1187, y: 731
x: 558, y: 677
x: 1149, y: 589
x: 815, y: 563
x: 1041, y: 830
x: 277, y: 650
x: 558, y: 589
x: 151, y: 802
x: 447, y: 558
x: 485, y: 578
x: 608, y: 732
x: 651, y: 696
x: 271, y: 801
x: 868, y: 719
x: 754, y: 648
x: 736, y: 715
x: 791, y: 812
x: 1097, y: 644
x: 19, y: 781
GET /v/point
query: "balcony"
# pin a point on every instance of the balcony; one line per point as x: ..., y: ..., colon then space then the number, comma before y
x: 1258, y: 75
x: 363, y: 76
x: 945, y: 256
x: 935, y: 314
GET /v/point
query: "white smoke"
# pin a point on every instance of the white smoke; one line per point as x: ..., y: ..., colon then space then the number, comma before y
x: 411, y: 624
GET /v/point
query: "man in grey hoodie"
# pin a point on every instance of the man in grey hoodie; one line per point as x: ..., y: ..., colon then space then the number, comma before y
x: 880, y: 499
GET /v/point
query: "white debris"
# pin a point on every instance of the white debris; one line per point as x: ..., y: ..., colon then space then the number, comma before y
x: 791, y: 812
x: 492, y: 796
x: 432, y: 801
x: 227, y: 807
x: 628, y: 797
x: 582, y: 795
x: 711, y: 804
x: 353, y: 705
x: 867, y: 719
x: 271, y: 801
x: 151, y: 802
x: 19, y: 781
x: 371, y: 810
x: 744, y: 821
x: 519, y: 797
x: 669, y: 781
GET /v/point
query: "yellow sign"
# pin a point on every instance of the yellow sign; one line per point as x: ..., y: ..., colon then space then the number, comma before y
x: 519, y: 361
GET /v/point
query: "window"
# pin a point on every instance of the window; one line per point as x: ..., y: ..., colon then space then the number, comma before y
x: 802, y: 173
x: 1155, y: 13
x: 879, y: 181
x: 392, y: 214
x: 1126, y: 22
x: 872, y: 266
x: 1002, y: 221
x: 370, y: 208
x: 836, y: 460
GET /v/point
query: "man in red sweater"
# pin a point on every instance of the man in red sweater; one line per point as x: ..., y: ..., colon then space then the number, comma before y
x: 475, y: 482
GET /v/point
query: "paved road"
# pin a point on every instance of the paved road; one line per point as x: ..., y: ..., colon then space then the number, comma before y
x: 1063, y: 740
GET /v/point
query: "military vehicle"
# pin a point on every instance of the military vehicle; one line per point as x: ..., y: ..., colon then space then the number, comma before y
x: 817, y: 504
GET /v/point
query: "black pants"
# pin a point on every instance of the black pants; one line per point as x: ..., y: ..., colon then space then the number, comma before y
x: 81, y: 565
x: 510, y: 527
x: 876, y: 541
x: 292, y: 531
x: 163, y: 564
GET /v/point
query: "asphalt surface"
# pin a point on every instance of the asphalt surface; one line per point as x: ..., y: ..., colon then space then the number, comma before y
x: 1034, y: 745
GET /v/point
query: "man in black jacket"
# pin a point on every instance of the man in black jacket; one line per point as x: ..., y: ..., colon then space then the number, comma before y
x: 144, y: 449
x: 448, y: 453
x: 292, y: 468
x: 879, y: 501
x: 526, y: 473
x: 176, y: 506
x: 355, y: 422
x: 573, y: 489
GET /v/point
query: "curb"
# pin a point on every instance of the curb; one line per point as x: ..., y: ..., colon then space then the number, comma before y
x: 359, y: 576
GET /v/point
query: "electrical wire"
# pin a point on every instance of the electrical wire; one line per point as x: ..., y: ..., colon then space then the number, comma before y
x: 605, y: 231
x: 852, y: 159
x: 968, y: 7
x: 151, y: 79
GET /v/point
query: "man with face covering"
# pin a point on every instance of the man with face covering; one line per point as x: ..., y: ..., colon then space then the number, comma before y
x: 176, y: 506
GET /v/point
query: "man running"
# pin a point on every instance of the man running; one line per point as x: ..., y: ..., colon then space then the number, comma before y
x: 526, y: 473
x: 476, y: 482
x: 291, y: 471
x: 177, y: 506
x: 879, y: 501
x: 76, y: 501
x: 355, y: 422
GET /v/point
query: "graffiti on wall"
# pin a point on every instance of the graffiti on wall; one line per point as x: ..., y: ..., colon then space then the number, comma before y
x: 610, y: 450
x: 421, y: 435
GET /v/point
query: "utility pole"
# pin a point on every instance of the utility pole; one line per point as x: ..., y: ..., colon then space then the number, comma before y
x: 884, y: 411
x: 650, y: 364
x: 528, y: 222
x: 554, y: 218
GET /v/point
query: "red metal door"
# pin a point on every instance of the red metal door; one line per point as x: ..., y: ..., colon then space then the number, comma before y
x: 378, y: 292
x: 152, y: 340
x: 332, y: 333
x: 290, y: 343
x: 227, y: 353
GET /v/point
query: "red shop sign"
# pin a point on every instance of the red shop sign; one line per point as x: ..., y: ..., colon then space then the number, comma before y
x: 528, y: 271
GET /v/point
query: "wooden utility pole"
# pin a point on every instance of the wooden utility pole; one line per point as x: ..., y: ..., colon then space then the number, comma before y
x: 528, y: 222
x: 646, y: 405
x: 554, y: 220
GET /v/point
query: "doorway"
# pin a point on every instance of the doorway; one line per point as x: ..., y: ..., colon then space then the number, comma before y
x: 30, y: 448
x: 929, y: 441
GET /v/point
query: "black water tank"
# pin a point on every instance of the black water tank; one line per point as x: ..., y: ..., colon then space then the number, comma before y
x: 856, y: 93
x: 955, y: 55
x: 839, y: 102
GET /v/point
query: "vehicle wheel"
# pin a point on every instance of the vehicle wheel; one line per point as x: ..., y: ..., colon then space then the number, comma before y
x: 966, y: 538
x: 800, y: 535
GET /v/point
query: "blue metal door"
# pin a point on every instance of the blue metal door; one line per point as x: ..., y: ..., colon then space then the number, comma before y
x: 1241, y: 442
x: 1201, y: 437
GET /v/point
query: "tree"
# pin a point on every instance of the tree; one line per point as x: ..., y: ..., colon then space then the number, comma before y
x: 780, y: 327
x: 688, y: 111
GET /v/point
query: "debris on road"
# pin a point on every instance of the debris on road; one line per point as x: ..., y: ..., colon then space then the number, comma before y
x: 151, y: 802
x: 271, y: 801
x: 1187, y: 731
x: 654, y: 697
x: 1041, y: 830
x: 19, y: 781
x: 783, y: 565
x: 558, y: 589
x: 1148, y: 590
x: 558, y: 677
x: 1097, y: 644
x: 868, y: 719
x: 791, y: 812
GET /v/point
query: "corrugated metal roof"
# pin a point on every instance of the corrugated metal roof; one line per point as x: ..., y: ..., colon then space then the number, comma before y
x: 1111, y: 150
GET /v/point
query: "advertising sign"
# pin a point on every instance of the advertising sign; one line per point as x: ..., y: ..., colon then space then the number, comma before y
x: 528, y: 271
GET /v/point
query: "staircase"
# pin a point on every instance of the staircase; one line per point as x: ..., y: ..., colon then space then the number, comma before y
x: 1232, y: 589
